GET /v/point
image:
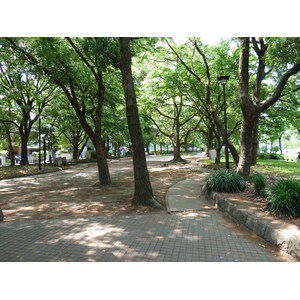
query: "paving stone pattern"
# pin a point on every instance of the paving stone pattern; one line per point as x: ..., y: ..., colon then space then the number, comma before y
x: 183, y: 237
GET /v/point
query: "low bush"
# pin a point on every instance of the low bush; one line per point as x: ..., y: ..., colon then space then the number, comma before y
x: 270, y: 156
x: 259, y: 182
x: 225, y: 181
x: 284, y: 198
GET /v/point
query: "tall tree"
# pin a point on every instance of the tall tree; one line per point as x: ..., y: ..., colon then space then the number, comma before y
x: 78, y: 66
x: 253, y: 106
x: 143, y: 194
x: 201, y: 71
x: 27, y: 95
x: 175, y: 123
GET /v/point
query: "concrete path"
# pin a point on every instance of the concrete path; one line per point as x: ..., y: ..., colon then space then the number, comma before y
x: 186, y: 195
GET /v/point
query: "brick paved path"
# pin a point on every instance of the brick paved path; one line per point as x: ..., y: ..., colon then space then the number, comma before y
x: 193, y: 236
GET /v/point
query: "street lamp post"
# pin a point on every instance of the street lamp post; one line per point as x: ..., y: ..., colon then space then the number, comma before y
x: 223, y: 81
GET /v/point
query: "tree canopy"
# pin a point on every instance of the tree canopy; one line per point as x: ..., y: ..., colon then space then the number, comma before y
x: 79, y: 86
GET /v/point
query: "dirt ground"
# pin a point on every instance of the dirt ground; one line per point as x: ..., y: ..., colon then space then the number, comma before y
x: 75, y: 192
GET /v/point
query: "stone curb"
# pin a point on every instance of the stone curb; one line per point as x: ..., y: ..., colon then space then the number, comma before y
x: 287, y: 239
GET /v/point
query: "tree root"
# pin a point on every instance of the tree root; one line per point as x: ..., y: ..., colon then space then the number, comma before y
x: 152, y: 202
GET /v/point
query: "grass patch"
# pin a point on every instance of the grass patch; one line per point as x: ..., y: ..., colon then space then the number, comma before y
x: 212, y: 165
x: 282, y: 168
x: 20, y: 171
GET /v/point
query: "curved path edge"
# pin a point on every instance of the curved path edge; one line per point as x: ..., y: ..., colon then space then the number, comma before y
x: 286, y: 237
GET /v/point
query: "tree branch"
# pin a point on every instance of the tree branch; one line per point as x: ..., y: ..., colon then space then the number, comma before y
x: 159, y: 129
x: 164, y: 115
x: 277, y: 93
x: 184, y: 64
x: 82, y: 57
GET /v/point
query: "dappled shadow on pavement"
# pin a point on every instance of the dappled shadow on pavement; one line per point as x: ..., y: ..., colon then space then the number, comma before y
x: 193, y: 236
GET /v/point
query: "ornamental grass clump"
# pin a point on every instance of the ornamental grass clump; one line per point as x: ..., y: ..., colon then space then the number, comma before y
x: 259, y: 184
x: 225, y: 181
x: 284, y: 199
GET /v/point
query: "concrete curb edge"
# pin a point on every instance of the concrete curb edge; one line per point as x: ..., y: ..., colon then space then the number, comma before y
x: 287, y: 240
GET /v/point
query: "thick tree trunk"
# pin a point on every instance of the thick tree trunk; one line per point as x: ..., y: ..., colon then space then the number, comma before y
x: 103, y: 171
x: 24, y: 155
x: 75, y: 151
x: 143, y: 194
x: 176, y: 154
x: 218, y: 155
x: 247, y: 135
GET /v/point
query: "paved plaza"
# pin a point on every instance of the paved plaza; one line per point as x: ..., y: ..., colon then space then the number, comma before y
x: 204, y: 236
x: 193, y: 231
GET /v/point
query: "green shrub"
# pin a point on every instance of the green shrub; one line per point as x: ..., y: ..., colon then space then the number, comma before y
x: 93, y: 154
x: 276, y: 156
x: 270, y: 156
x: 225, y: 181
x: 259, y: 184
x: 284, y: 198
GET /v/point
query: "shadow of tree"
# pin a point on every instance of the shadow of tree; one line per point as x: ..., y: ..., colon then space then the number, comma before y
x: 151, y: 237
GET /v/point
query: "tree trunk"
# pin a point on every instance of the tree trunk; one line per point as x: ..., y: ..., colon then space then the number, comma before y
x: 75, y: 151
x: 10, y: 149
x: 255, y: 142
x: 45, y: 151
x: 210, y: 140
x: 154, y: 149
x: 147, y: 149
x: 176, y: 146
x: 24, y: 155
x: 107, y: 146
x: 143, y: 194
x: 82, y: 147
x: 271, y: 146
x: 103, y: 171
x: 247, y: 134
x: 234, y: 153
x: 176, y: 154
x: 161, y: 149
x: 218, y: 155
x: 186, y: 148
x: 280, y: 144
x: 116, y: 149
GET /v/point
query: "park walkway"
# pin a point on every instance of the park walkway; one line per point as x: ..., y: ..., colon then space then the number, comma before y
x: 193, y: 231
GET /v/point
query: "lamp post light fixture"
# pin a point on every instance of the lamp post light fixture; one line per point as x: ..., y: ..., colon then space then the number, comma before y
x: 223, y: 81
